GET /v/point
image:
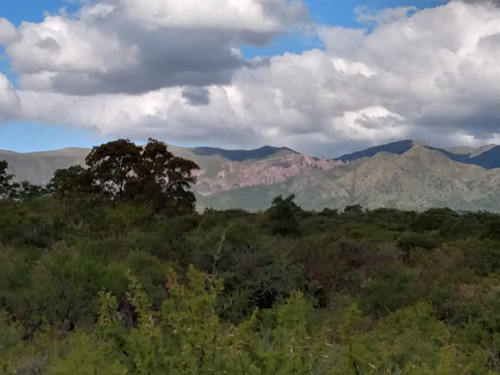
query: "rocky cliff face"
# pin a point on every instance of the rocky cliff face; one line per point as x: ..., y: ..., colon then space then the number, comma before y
x: 270, y: 171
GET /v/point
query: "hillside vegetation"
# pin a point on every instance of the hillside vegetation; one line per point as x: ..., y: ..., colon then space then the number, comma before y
x: 98, y: 285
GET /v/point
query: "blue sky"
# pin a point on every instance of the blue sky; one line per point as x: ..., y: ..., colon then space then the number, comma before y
x: 144, y: 110
x: 24, y: 136
x: 333, y: 13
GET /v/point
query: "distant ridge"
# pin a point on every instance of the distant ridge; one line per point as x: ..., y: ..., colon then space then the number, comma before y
x: 38, y: 167
x: 405, y: 174
x: 240, y: 155
x: 488, y: 159
x: 399, y: 148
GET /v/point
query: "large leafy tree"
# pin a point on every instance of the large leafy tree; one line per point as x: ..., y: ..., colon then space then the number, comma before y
x: 164, y: 178
x: 112, y: 166
x: 121, y: 171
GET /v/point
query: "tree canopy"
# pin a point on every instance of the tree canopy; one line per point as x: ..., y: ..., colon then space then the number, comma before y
x: 121, y: 171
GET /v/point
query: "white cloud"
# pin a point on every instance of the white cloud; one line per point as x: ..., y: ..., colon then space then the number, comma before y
x: 8, y: 32
x: 61, y: 44
x: 365, y: 15
x: 431, y: 75
x: 136, y: 46
x: 9, y: 101
x: 257, y: 16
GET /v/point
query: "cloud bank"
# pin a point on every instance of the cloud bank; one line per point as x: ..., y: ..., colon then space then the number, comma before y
x: 163, y: 68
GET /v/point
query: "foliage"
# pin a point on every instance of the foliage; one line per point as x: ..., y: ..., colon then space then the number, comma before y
x: 27, y: 191
x: 282, y: 215
x: 111, y: 166
x: 18, y: 191
x: 186, y: 335
x: 8, y: 188
x: 68, y: 180
x: 119, y: 288
x: 119, y: 171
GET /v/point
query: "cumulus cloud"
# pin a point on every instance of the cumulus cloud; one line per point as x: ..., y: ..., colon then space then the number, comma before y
x: 136, y: 46
x: 9, y: 101
x: 8, y: 32
x: 431, y: 74
x: 245, y: 17
x: 365, y: 15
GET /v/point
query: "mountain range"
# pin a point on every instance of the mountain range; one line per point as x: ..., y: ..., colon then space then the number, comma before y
x: 404, y: 175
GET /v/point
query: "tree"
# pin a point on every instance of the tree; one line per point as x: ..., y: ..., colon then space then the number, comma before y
x: 18, y: 191
x: 163, y: 178
x: 353, y: 210
x: 70, y: 181
x: 282, y: 215
x: 112, y: 166
x: 179, y: 179
x: 8, y: 188
x: 28, y: 191
x: 4, y: 179
x: 120, y: 171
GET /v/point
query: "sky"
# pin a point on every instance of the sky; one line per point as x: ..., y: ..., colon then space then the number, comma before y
x: 325, y: 77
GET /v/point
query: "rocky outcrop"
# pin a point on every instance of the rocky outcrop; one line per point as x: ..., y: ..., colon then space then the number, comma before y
x: 269, y: 171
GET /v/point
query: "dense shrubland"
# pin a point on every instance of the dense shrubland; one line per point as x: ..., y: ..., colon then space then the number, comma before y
x: 93, y: 285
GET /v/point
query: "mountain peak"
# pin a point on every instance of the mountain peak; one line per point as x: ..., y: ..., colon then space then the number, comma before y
x: 399, y: 148
x: 241, y: 155
x: 487, y: 157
